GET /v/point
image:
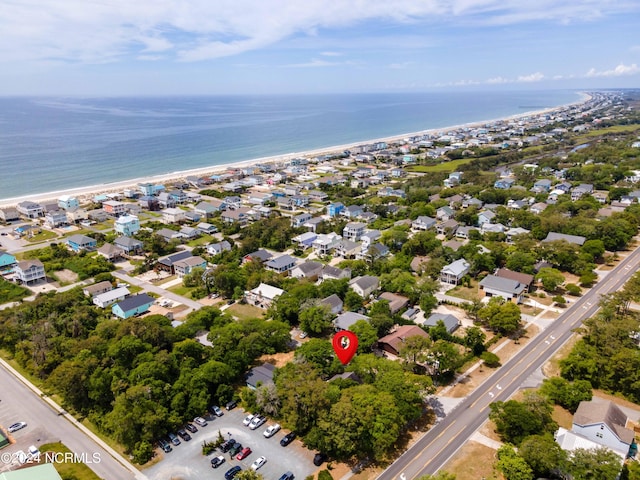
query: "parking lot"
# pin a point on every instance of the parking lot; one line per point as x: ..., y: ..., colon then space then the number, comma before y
x: 187, y: 462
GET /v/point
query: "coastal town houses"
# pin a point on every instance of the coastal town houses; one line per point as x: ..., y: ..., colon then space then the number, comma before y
x: 68, y: 202
x: 97, y: 288
x: 454, y: 272
x: 114, y: 208
x: 105, y: 299
x: 110, y: 252
x: 128, y: 245
x: 132, y: 306
x: 364, y: 285
x: 423, y: 223
x: 308, y: 269
x: 6, y: 260
x: 30, y: 210
x: 80, y: 242
x: 218, y: 248
x: 347, y: 319
x: 186, y: 266
x: 127, y: 225
x: 29, y: 271
x: 281, y: 264
x: 333, y: 303
x: 173, y: 215
x: 511, y: 290
x: 394, y: 341
x: 56, y: 219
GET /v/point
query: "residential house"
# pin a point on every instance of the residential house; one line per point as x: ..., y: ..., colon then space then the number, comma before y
x: 524, y: 278
x: 114, y: 208
x: 128, y: 245
x: 464, y: 232
x: 149, y: 189
x: 335, y: 209
x: 492, y: 228
x: 373, y: 252
x: 6, y: 260
x: 512, y: 233
x: 127, y: 225
x: 393, y: 342
x: 454, y: 272
x: 239, y: 216
x: 110, y: 252
x: 352, y: 211
x: 486, y: 216
x: 80, y: 242
x: 206, y: 228
x: 368, y: 217
x: 598, y: 423
x: 189, y: 232
x: 447, y: 228
x: 364, y: 285
x: 396, y: 302
x: 177, y: 196
x: 167, y: 234
x: 166, y: 201
x: 346, y: 319
x: 419, y: 263
x: 472, y: 202
x: 56, y: 218
x: 218, y: 248
x: 444, y: 213
x: 492, y: 286
x: 29, y: 271
x: 308, y: 269
x: 423, y: 223
x: 149, y: 203
x: 260, y: 376
x: 575, y: 239
x: 258, y: 256
x: 77, y: 215
x: 450, y: 322
x: 30, y: 209
x: 67, y: 202
x: 259, y: 198
x: 9, y: 215
x: 281, y: 264
x: 187, y: 265
x: 317, y: 196
x: 353, y: 231
x: 97, y: 288
x: 299, y: 220
x: 263, y: 295
x: 538, y: 208
x: 209, y: 208
x: 542, y: 185
x: 334, y: 303
x: 325, y: 243
x: 173, y: 215
x: 131, y: 306
x: 304, y: 240
x: 334, y: 273
x: 504, y: 183
x: 581, y: 191
x: 103, y: 300
x: 453, y: 180
x: 167, y: 263
x: 347, y: 249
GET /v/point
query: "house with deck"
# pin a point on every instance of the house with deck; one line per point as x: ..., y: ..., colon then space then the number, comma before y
x: 29, y: 271
x: 454, y: 272
x: 79, y: 242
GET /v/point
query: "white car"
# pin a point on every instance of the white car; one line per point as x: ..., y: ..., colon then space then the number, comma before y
x: 247, y: 419
x: 200, y: 421
x: 260, y: 461
x: 257, y: 421
x: 16, y: 426
x: 271, y: 430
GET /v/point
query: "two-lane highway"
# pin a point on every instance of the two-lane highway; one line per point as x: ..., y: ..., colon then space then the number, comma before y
x: 433, y: 450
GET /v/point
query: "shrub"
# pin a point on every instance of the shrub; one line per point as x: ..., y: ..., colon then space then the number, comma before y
x: 490, y: 359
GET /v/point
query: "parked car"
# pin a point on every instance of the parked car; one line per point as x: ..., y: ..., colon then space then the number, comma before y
x: 271, y: 430
x: 235, y: 449
x: 216, y: 410
x: 319, y: 459
x: 287, y: 439
x: 174, y: 439
x: 247, y: 419
x: 217, y: 461
x: 286, y: 476
x: 260, y: 461
x: 164, y: 445
x: 232, y: 472
x: 200, y: 421
x: 303, y: 335
x: 232, y: 404
x: 226, y: 445
x: 191, y: 428
x: 257, y: 421
x: 16, y: 426
x: 182, y: 433
x: 246, y: 451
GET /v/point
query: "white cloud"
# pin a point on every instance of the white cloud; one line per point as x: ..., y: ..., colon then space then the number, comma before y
x: 497, y: 80
x: 534, y: 77
x: 316, y: 63
x: 195, y: 30
x: 401, y: 65
x: 331, y: 54
x: 619, y: 71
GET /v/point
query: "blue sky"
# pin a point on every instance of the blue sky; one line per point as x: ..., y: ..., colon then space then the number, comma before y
x: 135, y: 47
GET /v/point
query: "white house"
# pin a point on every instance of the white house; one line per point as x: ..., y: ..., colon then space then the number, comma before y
x: 29, y: 271
x: 454, y: 272
x: 127, y: 225
x: 364, y: 285
x: 423, y: 223
x: 103, y: 300
x: 263, y: 295
x: 173, y: 215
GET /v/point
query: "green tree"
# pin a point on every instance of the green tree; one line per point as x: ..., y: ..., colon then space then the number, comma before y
x: 320, y: 353
x: 474, y: 340
x: 352, y: 301
x: 415, y: 349
x: 595, y: 464
x: 516, y: 420
x: 501, y: 316
x: 438, y: 476
x: 316, y: 319
x: 543, y: 454
x: 490, y: 359
x: 249, y: 475
x: 565, y: 393
x: 367, y: 335
x: 550, y: 278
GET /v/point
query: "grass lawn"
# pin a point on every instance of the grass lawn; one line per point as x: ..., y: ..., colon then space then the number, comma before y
x: 605, y: 131
x: 12, y: 292
x: 181, y: 290
x: 69, y: 469
x: 462, y: 291
x: 472, y: 462
x: 242, y: 311
x: 203, y: 240
x: 43, y: 236
x: 449, y: 166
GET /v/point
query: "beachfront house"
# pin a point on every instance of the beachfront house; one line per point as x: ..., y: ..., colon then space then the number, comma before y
x: 79, y: 242
x: 68, y: 202
x: 173, y: 215
x: 30, y: 209
x: 29, y: 271
x: 114, y: 208
x: 56, y: 218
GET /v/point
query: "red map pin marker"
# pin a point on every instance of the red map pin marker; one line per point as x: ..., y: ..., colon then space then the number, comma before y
x: 345, y: 344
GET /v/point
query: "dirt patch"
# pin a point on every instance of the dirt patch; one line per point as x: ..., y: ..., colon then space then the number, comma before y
x: 563, y: 417
x: 472, y: 462
x: 468, y: 383
x: 66, y: 276
x: 278, y: 359
x: 550, y: 315
x: 488, y: 429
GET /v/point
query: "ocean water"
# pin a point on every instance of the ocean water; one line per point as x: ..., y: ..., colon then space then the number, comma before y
x: 49, y: 144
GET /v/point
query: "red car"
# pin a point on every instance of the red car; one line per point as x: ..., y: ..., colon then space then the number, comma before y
x: 243, y: 454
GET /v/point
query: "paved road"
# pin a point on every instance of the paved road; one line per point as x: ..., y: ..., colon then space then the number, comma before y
x: 44, y: 425
x: 438, y: 445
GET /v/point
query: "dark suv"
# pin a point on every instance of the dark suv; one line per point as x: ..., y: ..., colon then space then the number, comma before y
x: 232, y: 404
x: 174, y: 439
x: 184, y: 435
x: 319, y: 459
x: 226, y: 446
x: 164, y: 445
x: 235, y: 449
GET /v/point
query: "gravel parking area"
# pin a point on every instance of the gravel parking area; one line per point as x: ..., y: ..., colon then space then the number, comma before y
x: 186, y: 461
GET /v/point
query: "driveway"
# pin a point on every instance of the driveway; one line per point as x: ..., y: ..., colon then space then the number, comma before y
x: 186, y: 461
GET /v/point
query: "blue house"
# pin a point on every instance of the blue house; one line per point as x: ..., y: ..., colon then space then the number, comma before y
x: 132, y: 306
x: 334, y: 209
x: 78, y: 243
x: 504, y: 183
x: 6, y: 259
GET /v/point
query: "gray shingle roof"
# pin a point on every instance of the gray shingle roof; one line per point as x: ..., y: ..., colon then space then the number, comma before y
x: 502, y: 284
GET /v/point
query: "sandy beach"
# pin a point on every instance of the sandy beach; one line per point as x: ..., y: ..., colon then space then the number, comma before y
x: 85, y: 194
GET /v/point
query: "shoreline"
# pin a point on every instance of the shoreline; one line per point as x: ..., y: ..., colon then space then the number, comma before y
x: 85, y: 193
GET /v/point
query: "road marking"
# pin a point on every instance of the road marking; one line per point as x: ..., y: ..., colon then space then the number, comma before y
x: 491, y: 394
x: 547, y: 342
x: 552, y: 337
x: 402, y: 476
x: 498, y: 387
